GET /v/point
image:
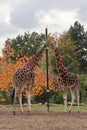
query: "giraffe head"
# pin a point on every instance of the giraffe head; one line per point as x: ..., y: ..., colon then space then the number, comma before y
x: 42, y: 46
x: 53, y: 41
x: 53, y: 45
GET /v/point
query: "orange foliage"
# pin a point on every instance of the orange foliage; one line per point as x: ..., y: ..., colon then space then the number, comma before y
x: 7, y: 52
x: 39, y: 82
x: 2, y: 99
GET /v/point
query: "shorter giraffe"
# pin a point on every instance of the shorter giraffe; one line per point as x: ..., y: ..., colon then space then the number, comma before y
x: 25, y: 75
x: 67, y: 80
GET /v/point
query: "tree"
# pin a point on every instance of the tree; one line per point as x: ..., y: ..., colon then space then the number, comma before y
x: 7, y: 68
x: 25, y: 45
x: 68, y: 52
x: 79, y: 36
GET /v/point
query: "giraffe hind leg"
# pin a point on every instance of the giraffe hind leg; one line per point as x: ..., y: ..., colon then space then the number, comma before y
x: 72, y: 91
x: 13, y: 100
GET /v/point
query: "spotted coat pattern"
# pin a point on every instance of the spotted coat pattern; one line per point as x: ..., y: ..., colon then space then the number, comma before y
x: 67, y: 78
x: 25, y: 73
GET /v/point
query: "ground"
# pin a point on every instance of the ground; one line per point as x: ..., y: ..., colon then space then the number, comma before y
x: 40, y: 119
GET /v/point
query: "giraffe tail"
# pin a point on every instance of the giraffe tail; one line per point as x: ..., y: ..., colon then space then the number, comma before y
x: 13, y: 96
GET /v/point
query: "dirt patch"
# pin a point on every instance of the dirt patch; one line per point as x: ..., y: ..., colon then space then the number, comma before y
x: 40, y: 119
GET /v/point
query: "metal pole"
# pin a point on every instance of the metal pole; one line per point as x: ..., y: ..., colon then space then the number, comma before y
x: 46, y: 34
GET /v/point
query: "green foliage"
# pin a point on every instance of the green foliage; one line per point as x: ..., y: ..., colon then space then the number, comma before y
x: 56, y: 97
x: 40, y: 98
x: 51, y: 62
x: 79, y: 36
x: 83, y: 81
x: 69, y: 55
x: 25, y: 45
x: 4, y: 94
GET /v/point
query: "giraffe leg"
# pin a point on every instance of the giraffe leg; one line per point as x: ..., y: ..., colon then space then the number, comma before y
x: 29, y: 88
x: 78, y: 101
x: 29, y: 97
x: 20, y: 101
x: 72, y: 91
x: 14, y: 102
x: 65, y: 99
x: 29, y: 101
x: 77, y: 90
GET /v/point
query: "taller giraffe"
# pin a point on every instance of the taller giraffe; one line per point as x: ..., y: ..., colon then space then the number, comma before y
x: 25, y: 75
x: 67, y: 79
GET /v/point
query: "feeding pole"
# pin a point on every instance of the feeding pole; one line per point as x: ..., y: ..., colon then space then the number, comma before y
x: 47, y: 80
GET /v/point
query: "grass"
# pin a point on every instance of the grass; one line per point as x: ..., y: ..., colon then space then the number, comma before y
x: 58, y: 107
x: 51, y: 107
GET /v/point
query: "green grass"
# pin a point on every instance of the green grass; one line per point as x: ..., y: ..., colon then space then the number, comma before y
x: 51, y: 107
x: 58, y: 107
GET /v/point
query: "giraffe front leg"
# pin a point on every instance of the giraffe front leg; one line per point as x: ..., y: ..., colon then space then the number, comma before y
x: 20, y: 101
x: 78, y: 97
x: 14, y: 107
x: 29, y: 88
x: 65, y: 104
x: 78, y: 102
x: 65, y: 99
x: 29, y: 101
x: 19, y: 93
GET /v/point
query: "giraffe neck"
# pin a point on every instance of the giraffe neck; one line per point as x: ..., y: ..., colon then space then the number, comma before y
x: 59, y: 64
x: 36, y: 58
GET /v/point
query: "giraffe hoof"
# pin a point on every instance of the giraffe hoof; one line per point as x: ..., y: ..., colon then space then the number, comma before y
x: 14, y: 113
x: 65, y: 110
x: 22, y: 112
x: 28, y: 111
x: 78, y: 111
x: 69, y: 111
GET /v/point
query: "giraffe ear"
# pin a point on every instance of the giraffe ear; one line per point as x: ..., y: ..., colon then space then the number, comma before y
x: 43, y: 45
x: 54, y: 45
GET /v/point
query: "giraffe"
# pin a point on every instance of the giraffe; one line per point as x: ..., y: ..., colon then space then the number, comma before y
x: 67, y: 79
x: 25, y: 75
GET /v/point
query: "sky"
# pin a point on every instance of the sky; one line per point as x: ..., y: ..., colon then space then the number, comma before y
x: 17, y: 16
